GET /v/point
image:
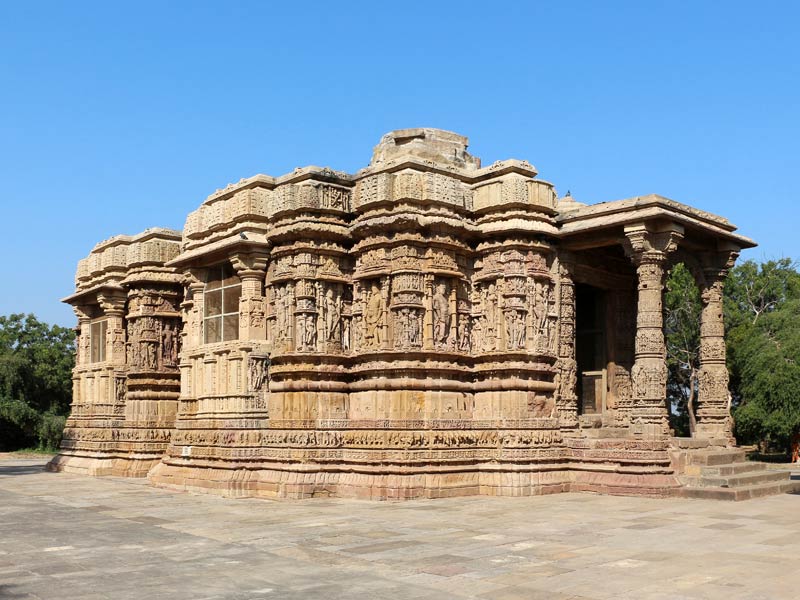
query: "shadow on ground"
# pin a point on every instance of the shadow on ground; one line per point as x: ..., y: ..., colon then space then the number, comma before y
x: 19, y: 470
x: 12, y: 591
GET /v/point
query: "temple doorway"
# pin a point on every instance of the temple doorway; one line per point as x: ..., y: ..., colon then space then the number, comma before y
x: 590, y: 348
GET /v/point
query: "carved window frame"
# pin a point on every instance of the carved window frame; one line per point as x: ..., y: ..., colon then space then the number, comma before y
x: 221, y: 295
x: 98, y: 334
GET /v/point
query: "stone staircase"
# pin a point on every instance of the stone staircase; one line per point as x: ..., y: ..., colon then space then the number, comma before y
x: 726, y: 474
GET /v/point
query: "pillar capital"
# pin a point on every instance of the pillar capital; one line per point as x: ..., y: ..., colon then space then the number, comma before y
x: 647, y: 243
x: 112, y: 302
x: 82, y: 312
x: 250, y: 265
x: 193, y: 278
x: 717, y: 264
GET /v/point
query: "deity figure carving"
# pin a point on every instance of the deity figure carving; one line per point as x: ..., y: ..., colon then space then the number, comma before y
x: 441, y: 316
x: 373, y: 317
x: 408, y: 328
x: 489, y: 324
x: 333, y: 315
x: 120, y: 389
x: 463, y: 333
x: 566, y: 378
x: 150, y: 355
x: 540, y: 307
x: 281, y: 312
x: 307, y: 331
x: 169, y: 349
x: 346, y: 335
x: 258, y: 372
x: 515, y: 330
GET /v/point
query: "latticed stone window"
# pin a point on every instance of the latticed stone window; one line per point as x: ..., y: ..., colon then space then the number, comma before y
x: 97, y: 335
x: 221, y: 304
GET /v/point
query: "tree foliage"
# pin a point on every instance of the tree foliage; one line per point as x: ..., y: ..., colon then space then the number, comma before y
x: 36, y: 362
x: 682, y: 307
x: 762, y: 307
x: 762, y: 318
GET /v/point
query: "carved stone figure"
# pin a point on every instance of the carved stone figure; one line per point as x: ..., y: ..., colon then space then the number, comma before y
x: 515, y: 330
x: 258, y: 372
x: 373, y: 317
x: 441, y: 315
x: 168, y: 346
x: 463, y: 333
x: 333, y: 316
x: 346, y: 335
x: 489, y: 325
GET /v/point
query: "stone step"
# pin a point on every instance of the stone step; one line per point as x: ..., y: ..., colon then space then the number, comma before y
x: 734, y: 469
x: 690, y: 443
x: 741, y: 479
x: 742, y: 493
x: 716, y: 457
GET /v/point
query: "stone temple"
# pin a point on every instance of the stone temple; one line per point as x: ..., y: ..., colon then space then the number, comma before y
x: 425, y: 327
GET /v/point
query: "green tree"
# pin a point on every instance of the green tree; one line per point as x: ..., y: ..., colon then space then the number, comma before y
x: 762, y: 310
x: 682, y: 308
x: 36, y: 362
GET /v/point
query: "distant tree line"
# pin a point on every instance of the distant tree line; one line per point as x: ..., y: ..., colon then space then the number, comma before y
x: 762, y: 323
x: 36, y: 361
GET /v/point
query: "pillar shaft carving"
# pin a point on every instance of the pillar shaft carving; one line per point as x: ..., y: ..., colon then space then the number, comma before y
x: 251, y: 268
x: 192, y: 309
x: 567, y: 368
x: 83, y: 341
x: 649, y: 250
x: 113, y: 305
x: 713, y: 402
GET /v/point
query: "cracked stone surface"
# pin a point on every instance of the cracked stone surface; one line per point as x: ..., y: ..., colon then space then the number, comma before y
x: 68, y: 536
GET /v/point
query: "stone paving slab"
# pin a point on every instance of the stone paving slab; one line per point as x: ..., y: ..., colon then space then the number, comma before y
x: 82, y: 538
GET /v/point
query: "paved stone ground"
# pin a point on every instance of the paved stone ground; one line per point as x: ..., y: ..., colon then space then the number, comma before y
x: 65, y: 536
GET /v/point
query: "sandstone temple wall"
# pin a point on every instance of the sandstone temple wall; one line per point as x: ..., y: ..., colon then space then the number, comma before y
x: 405, y: 331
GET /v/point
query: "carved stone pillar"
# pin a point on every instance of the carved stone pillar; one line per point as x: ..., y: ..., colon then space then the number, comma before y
x: 113, y: 305
x: 566, y: 375
x: 82, y: 349
x: 192, y: 309
x: 251, y: 268
x: 713, y: 408
x: 648, y: 248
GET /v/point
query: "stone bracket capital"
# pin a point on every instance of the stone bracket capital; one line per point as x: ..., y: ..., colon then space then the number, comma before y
x: 716, y: 264
x: 646, y: 242
x: 82, y: 311
x: 112, y: 302
x: 250, y: 264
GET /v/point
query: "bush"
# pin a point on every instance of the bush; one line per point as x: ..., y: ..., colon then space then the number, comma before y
x: 50, y: 430
x: 18, y: 424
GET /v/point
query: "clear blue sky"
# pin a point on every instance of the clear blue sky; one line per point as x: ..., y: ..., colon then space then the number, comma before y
x: 115, y: 117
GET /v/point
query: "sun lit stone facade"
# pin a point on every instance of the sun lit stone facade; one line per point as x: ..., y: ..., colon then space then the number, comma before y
x: 424, y: 327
